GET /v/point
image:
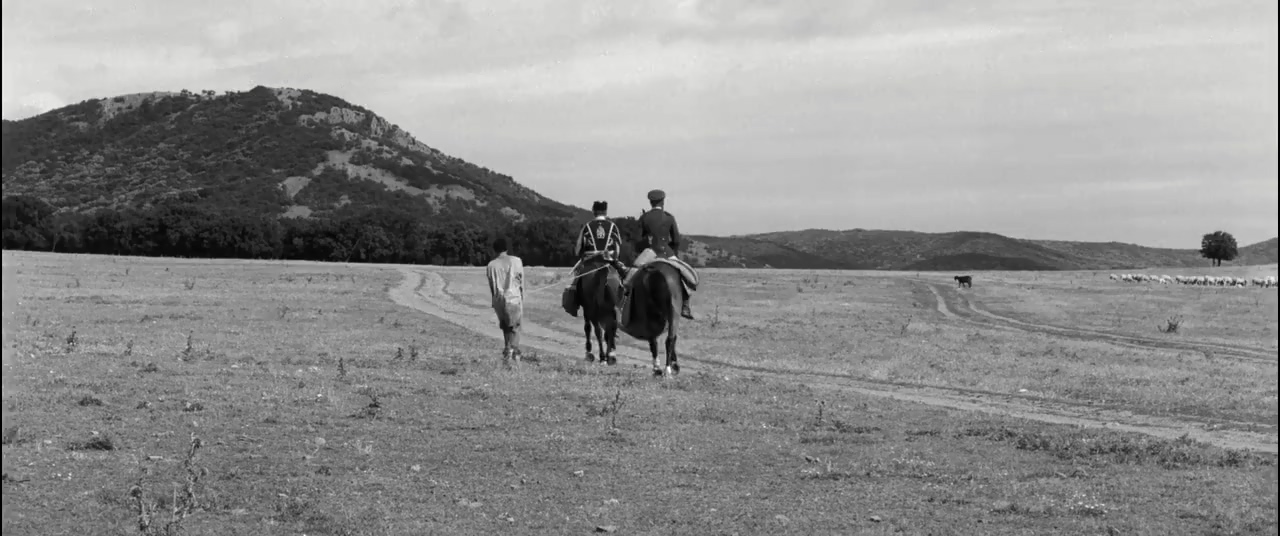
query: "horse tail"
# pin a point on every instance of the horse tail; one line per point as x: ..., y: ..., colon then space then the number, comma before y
x: 660, y: 297
x: 593, y: 291
x: 605, y: 294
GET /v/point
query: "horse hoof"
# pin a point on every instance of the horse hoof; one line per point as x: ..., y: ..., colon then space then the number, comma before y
x: 657, y: 373
x: 671, y: 372
x: 590, y: 357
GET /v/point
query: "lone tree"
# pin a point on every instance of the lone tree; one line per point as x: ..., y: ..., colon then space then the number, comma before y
x: 1219, y: 246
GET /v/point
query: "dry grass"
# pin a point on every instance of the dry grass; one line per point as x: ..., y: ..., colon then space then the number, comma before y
x: 309, y: 423
x: 883, y: 327
x: 1090, y: 300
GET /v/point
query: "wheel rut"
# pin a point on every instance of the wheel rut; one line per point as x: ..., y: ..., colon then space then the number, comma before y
x: 960, y: 307
x: 423, y: 291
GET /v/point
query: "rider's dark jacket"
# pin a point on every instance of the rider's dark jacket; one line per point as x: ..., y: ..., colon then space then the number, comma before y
x: 599, y: 236
x: 659, y: 230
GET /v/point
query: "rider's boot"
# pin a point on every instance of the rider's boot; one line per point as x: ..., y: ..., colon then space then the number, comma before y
x: 684, y: 310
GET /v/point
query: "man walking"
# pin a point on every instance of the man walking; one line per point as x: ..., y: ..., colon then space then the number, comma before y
x: 658, y: 229
x: 506, y: 286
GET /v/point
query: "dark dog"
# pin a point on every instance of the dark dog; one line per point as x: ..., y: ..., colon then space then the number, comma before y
x: 964, y: 281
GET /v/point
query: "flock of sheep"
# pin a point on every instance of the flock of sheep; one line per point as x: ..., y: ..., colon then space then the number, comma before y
x: 1203, y: 280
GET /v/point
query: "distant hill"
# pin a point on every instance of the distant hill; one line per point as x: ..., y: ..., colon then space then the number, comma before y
x: 277, y: 152
x: 1265, y: 252
x: 908, y: 250
x: 292, y: 173
x: 763, y: 254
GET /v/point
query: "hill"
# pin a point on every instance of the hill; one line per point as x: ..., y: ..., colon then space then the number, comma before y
x: 294, y: 152
x: 297, y: 157
x: 754, y: 253
x: 1265, y: 252
x: 908, y: 250
x: 290, y: 173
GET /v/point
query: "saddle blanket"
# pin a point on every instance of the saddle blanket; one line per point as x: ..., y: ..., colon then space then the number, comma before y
x: 687, y: 273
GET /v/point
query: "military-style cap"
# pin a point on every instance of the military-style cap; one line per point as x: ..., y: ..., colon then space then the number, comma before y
x: 657, y: 195
x: 600, y: 206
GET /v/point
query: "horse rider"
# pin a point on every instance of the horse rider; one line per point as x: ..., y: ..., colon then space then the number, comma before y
x: 659, y: 231
x: 598, y: 238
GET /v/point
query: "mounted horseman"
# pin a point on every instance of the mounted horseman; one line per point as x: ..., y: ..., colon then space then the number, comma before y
x: 661, y: 234
x: 596, y: 282
x: 657, y: 290
x: 599, y: 240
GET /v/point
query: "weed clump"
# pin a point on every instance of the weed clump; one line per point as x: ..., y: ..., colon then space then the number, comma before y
x: 1171, y: 324
x: 182, y: 505
x: 89, y: 400
x: 825, y: 430
x: 72, y: 342
x: 610, y: 409
x: 372, y: 410
x: 98, y: 441
x: 1180, y: 453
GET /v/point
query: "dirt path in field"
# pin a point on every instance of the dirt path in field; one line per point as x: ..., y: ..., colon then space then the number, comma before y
x: 955, y: 305
x: 423, y: 290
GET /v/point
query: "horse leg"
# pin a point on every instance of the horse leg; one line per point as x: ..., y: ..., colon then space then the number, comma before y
x: 599, y: 339
x: 673, y: 363
x: 653, y: 349
x: 611, y: 338
x: 586, y: 326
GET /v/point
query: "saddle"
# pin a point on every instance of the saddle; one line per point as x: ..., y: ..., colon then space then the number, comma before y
x: 688, y: 275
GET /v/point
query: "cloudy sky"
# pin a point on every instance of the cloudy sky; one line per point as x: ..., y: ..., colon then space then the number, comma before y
x: 1147, y: 121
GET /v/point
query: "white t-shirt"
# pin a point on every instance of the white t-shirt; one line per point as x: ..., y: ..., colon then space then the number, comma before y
x: 506, y: 279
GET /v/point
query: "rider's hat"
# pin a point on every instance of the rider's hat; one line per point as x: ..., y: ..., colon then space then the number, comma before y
x: 600, y: 206
x: 657, y: 195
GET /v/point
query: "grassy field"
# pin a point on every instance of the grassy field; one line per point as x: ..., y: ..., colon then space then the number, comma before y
x: 884, y: 327
x: 323, y: 407
x: 1243, y: 316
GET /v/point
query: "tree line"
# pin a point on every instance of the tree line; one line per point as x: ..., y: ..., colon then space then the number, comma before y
x: 184, y: 228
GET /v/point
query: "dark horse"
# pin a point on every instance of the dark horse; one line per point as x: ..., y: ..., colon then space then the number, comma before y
x: 964, y: 281
x: 598, y: 293
x: 654, y: 308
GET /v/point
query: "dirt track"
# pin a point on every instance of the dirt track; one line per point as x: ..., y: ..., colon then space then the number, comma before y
x: 957, y: 306
x: 423, y: 290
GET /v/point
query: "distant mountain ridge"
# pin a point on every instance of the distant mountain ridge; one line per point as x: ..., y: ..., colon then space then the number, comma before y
x: 963, y: 250
x: 299, y: 155
x: 290, y: 153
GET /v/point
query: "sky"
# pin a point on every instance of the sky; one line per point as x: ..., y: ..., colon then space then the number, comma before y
x: 1144, y: 121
